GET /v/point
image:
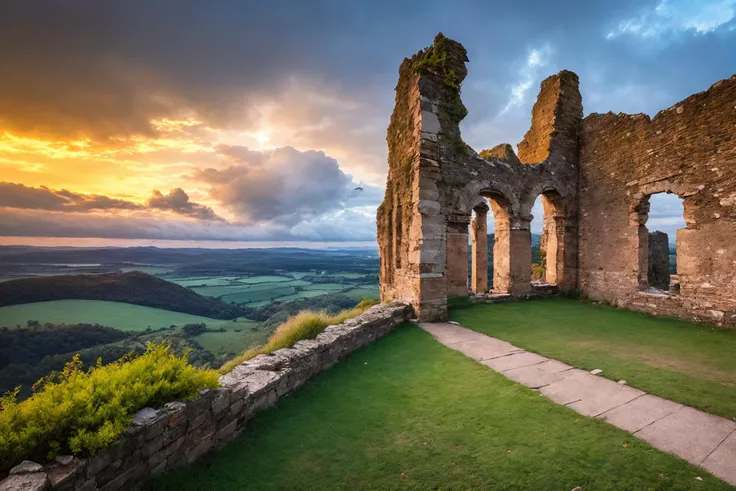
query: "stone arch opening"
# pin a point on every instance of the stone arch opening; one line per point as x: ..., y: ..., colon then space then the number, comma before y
x: 500, y: 207
x: 660, y: 218
x: 549, y: 267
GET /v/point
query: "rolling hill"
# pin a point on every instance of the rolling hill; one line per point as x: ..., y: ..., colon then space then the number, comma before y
x: 134, y: 287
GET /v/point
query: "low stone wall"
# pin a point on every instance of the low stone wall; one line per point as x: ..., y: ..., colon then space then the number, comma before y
x: 677, y: 306
x: 178, y: 434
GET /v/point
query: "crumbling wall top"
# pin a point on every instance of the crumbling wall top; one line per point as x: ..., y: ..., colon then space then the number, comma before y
x: 556, y: 116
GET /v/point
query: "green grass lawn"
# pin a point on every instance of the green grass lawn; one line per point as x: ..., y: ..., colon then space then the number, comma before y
x: 409, y: 413
x: 685, y: 362
x: 124, y: 316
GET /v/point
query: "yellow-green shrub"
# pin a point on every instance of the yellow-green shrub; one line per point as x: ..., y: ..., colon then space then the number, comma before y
x: 80, y: 412
x: 305, y: 325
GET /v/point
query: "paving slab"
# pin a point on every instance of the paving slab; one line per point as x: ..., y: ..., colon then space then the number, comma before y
x: 554, y: 366
x: 640, y: 412
x: 485, y: 348
x: 688, y: 433
x: 722, y: 462
x: 449, y: 334
x: 514, y: 360
x: 587, y: 394
x: 532, y: 376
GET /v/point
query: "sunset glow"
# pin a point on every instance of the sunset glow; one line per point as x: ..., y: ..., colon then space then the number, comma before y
x: 262, y: 133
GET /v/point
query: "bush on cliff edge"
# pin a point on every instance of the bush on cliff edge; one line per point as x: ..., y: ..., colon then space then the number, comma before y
x: 79, y: 412
x: 304, y: 325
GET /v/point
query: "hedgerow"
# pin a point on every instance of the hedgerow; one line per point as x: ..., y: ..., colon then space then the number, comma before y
x: 80, y: 411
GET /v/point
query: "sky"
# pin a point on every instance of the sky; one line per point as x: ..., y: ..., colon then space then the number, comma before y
x: 178, y: 120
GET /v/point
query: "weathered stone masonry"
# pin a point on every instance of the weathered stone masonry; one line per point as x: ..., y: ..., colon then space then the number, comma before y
x: 181, y: 432
x: 595, y: 176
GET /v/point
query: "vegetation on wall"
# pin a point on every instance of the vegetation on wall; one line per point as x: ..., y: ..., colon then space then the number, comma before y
x: 277, y: 312
x: 436, y: 60
x: 79, y: 412
x: 305, y: 325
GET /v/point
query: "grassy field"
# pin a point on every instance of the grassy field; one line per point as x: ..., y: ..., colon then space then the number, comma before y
x: 360, y: 293
x: 305, y: 294
x: 219, y: 291
x: 124, y: 316
x: 326, y: 287
x: 350, y: 276
x: 256, y: 290
x: 409, y: 413
x: 247, y: 296
x: 264, y: 279
x: 685, y: 362
x: 232, y: 343
x: 217, y: 281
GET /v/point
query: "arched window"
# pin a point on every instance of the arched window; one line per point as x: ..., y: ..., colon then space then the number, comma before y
x: 492, y: 236
x: 548, y: 238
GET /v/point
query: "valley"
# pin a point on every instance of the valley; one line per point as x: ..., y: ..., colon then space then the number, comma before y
x: 154, y: 294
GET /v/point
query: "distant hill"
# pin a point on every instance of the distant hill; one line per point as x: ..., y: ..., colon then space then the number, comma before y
x: 134, y: 287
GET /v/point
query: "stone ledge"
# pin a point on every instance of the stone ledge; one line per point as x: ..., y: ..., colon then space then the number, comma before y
x: 159, y: 440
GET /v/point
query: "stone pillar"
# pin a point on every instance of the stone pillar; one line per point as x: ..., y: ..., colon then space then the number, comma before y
x: 658, y: 272
x: 501, y: 256
x: 567, y: 254
x: 520, y: 248
x: 457, y: 255
x: 479, y: 238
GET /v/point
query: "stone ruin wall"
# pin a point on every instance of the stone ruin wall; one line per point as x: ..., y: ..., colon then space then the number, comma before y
x: 448, y: 180
x: 160, y: 440
x: 594, y: 176
x: 689, y: 150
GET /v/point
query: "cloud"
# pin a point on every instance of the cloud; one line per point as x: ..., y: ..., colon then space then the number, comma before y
x: 19, y: 196
x: 14, y: 195
x: 177, y: 201
x: 114, y: 99
x: 283, y: 186
x: 528, y: 75
x: 35, y: 223
x: 677, y: 16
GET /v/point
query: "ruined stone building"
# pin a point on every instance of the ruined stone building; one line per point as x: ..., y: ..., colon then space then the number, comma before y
x: 595, y: 176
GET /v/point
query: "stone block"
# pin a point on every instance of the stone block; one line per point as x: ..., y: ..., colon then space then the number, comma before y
x: 221, y: 401
x: 37, y: 481
x: 199, y: 448
x: 26, y: 467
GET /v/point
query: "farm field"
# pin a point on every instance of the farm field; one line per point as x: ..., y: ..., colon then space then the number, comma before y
x: 359, y: 294
x: 231, y: 343
x: 154, y: 270
x: 269, y: 286
x: 257, y: 291
x: 123, y: 316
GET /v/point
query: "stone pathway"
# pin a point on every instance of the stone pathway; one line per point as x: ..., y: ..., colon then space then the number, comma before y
x: 700, y: 438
